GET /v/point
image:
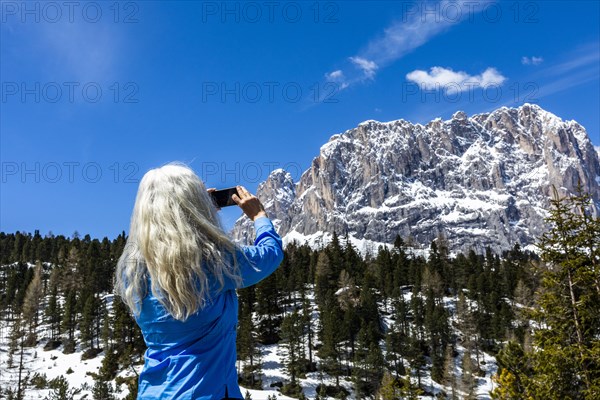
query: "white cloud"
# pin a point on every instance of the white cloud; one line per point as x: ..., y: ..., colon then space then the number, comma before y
x: 440, y: 78
x: 413, y: 29
x: 337, y: 75
x: 368, y: 67
x: 338, y: 78
x: 531, y: 60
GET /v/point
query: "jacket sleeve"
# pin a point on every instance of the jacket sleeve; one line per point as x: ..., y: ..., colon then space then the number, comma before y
x: 259, y: 261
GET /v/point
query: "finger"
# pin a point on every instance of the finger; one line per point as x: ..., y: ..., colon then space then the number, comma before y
x: 210, y: 190
x: 242, y: 191
x: 236, y: 199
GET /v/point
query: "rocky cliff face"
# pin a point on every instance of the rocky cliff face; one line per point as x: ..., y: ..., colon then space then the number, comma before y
x: 478, y: 181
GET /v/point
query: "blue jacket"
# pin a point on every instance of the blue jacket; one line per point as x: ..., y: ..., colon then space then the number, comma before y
x: 196, y: 359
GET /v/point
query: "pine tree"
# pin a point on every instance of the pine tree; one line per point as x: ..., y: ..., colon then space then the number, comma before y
x: 107, y: 323
x: 245, y: 338
x: 467, y: 325
x: 32, y: 303
x: 410, y: 391
x: 87, y: 321
x: 291, y: 333
x: 564, y: 361
x: 390, y: 388
x: 348, y: 299
x: 53, y: 313
x: 368, y: 312
x: 416, y: 358
x: 72, y: 279
x: 307, y: 326
x: 10, y: 292
x: 514, y: 366
x: 394, y: 343
x: 435, y: 321
x: 418, y: 311
x: 368, y: 365
x: 68, y: 321
x: 103, y: 391
x: 450, y: 374
x: 16, y: 338
x: 127, y: 337
x: 348, y: 293
x: 469, y: 376
x: 353, y: 262
x: 247, y: 345
x: 110, y: 364
x: 385, y: 274
x: 330, y: 351
x: 17, y: 249
x: 62, y: 391
x: 324, y: 280
x: 269, y: 309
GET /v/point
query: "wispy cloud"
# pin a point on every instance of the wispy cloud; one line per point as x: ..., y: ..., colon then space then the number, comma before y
x: 578, y: 67
x: 531, y: 60
x: 413, y: 30
x: 449, y: 81
x: 74, y: 51
x: 337, y: 77
x: 88, y: 51
x: 584, y: 56
x: 368, y: 67
x: 581, y: 66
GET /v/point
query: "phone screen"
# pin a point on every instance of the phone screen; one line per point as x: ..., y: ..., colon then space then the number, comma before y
x: 222, y: 197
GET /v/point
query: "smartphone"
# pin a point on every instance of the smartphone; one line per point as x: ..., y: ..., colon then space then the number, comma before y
x: 222, y: 197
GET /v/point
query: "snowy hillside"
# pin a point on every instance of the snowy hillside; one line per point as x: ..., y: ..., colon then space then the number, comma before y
x: 38, y: 362
x: 54, y: 363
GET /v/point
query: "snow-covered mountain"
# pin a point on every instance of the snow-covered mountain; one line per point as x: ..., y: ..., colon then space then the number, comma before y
x: 478, y: 181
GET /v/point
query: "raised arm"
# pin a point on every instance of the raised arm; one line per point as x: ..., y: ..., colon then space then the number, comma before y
x: 259, y: 261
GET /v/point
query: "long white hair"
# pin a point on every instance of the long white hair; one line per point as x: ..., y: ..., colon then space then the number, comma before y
x: 176, y: 239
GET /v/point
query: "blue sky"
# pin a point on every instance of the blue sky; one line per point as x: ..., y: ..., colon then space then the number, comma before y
x: 95, y: 94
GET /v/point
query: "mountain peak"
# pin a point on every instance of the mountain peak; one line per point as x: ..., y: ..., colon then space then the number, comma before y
x: 482, y: 183
x: 369, y: 122
x: 280, y: 173
x: 459, y: 115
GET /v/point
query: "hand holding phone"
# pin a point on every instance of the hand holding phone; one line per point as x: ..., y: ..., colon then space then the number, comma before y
x: 249, y: 203
x: 223, y: 197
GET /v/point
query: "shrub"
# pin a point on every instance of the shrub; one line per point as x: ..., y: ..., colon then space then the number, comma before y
x: 292, y: 390
x: 39, y: 381
x: 52, y: 345
x: 69, y: 346
x: 90, y: 353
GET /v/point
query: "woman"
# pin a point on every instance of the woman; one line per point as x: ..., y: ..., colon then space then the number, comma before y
x: 178, y: 275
